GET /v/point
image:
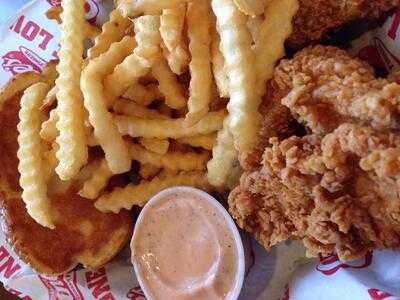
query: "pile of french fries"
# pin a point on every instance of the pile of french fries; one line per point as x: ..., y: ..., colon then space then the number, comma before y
x: 172, y: 84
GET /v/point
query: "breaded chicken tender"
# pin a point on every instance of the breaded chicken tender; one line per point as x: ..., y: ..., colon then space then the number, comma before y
x: 316, y: 17
x: 334, y: 181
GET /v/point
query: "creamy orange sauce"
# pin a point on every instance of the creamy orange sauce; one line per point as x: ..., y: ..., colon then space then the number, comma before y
x: 183, y: 249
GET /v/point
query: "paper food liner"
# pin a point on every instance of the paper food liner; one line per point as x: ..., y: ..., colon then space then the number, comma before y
x: 28, y: 40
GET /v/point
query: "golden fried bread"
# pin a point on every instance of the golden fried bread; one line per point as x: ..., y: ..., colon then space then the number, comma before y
x: 82, y: 235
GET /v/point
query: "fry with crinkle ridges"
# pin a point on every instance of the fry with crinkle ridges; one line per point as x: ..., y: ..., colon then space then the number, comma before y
x: 168, y: 85
x: 170, y: 128
x: 143, y: 95
x: 33, y: 174
x: 148, y: 171
x: 271, y: 45
x: 97, y: 181
x: 236, y: 41
x: 73, y: 152
x: 137, y: 64
x: 171, y: 28
x: 159, y: 146
x: 105, y: 131
x: 218, y: 66
x: 112, y: 31
x: 199, y: 23
x: 50, y: 98
x: 126, y: 197
x: 134, y: 8
x: 178, y: 161
x: 205, y: 141
x: 130, y: 108
x: 224, y: 158
x: 49, y: 131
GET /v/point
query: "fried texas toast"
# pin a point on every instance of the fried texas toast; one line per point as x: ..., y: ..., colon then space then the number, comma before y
x: 82, y: 235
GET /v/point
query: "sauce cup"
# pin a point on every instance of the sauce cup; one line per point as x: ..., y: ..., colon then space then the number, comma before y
x: 186, y: 246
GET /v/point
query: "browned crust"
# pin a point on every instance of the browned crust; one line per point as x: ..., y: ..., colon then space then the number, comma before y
x: 316, y: 17
x: 82, y: 235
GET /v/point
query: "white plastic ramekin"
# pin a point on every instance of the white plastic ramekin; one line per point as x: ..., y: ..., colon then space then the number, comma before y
x: 229, y: 222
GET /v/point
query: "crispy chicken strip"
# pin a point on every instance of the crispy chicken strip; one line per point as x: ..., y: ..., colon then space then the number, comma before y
x: 332, y: 182
x: 316, y: 17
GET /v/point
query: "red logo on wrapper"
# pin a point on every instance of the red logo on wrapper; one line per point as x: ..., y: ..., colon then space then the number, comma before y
x: 371, y: 54
x: 91, y: 9
x: 388, y: 58
x: 381, y: 50
x: 136, y: 293
x: 54, y: 2
x: 394, y: 27
x: 286, y: 293
x: 329, y: 265
x: 22, y: 60
x: 62, y: 287
x: 381, y: 295
x: 15, y: 292
x: 97, y: 283
x: 8, y: 266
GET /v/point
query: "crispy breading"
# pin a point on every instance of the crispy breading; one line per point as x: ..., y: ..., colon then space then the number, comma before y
x: 325, y: 87
x: 316, y: 17
x: 334, y: 183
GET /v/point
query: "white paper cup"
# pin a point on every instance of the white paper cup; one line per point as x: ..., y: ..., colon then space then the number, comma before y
x: 235, y: 292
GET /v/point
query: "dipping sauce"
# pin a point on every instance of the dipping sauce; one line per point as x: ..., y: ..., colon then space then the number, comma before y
x: 185, y: 246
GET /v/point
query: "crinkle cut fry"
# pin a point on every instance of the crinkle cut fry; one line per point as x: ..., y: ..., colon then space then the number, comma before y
x: 148, y: 37
x: 239, y: 58
x: 177, y: 161
x: 105, y: 131
x: 33, y: 175
x: 159, y: 146
x: 254, y: 25
x: 224, y: 158
x: 98, y: 180
x: 50, y: 98
x: 112, y: 31
x: 126, y: 197
x: 143, y: 95
x: 148, y: 171
x: 54, y: 13
x: 178, y: 59
x: 252, y: 8
x: 199, y: 23
x: 49, y: 131
x: 173, y: 161
x: 270, y: 47
x: 171, y: 28
x: 205, y: 141
x: 171, y: 128
x: 130, y: 8
x: 73, y: 152
x: 169, y: 85
x: 137, y: 64
x: 218, y: 66
x: 89, y: 31
x: 130, y: 108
